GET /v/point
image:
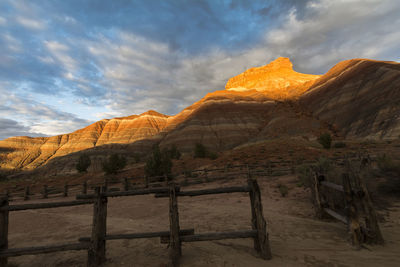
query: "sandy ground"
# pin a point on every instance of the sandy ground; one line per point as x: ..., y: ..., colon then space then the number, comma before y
x: 296, y: 238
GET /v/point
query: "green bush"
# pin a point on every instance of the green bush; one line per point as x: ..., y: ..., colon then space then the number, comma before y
x: 283, y: 189
x: 387, y: 164
x: 114, y: 163
x: 200, y: 151
x: 325, y: 140
x: 83, y: 163
x: 136, y: 157
x: 173, y: 152
x: 339, y: 145
x: 159, y: 163
x: 304, y: 173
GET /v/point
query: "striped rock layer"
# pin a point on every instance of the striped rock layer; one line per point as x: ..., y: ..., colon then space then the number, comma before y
x: 355, y: 99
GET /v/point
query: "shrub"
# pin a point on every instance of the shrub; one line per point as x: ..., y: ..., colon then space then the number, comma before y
x: 387, y: 164
x: 83, y: 163
x: 339, y: 145
x: 283, y: 189
x: 200, y: 151
x: 114, y: 163
x: 304, y: 173
x: 325, y: 140
x: 173, y: 152
x: 136, y: 157
x: 159, y: 163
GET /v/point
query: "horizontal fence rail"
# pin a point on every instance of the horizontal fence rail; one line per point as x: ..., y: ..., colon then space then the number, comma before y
x: 95, y: 245
x: 14, y: 252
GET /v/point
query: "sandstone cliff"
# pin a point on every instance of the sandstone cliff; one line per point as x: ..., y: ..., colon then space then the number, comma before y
x: 277, y: 80
x: 359, y: 97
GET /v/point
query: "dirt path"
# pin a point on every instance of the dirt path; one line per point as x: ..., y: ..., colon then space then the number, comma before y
x: 297, y: 239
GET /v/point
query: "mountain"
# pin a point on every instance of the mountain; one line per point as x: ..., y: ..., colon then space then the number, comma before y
x: 359, y: 97
x: 355, y: 99
x: 277, y: 80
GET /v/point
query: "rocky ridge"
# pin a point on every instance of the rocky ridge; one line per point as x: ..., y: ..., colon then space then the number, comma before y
x: 272, y: 101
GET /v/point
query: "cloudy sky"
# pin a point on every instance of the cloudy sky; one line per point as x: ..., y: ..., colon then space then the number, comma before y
x: 65, y: 64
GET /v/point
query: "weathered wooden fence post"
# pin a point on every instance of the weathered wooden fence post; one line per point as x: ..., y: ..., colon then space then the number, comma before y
x: 126, y: 184
x: 3, y: 230
x: 97, y: 249
x: 45, y: 191
x: 26, y: 194
x: 261, y: 242
x: 352, y: 214
x: 371, y: 220
x: 105, y: 187
x: 174, y: 242
x: 84, y: 188
x: 316, y: 194
x: 65, y: 190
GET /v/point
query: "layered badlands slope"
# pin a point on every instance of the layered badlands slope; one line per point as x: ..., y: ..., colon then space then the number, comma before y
x: 358, y: 98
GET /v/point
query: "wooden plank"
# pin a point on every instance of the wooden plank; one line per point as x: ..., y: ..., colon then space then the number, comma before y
x: 126, y: 184
x: 316, y: 195
x: 45, y: 191
x: 164, y: 235
x: 46, y: 205
x: 65, y: 190
x: 193, y: 193
x: 175, y: 250
x: 127, y: 193
x: 4, y: 230
x: 261, y: 242
x: 219, y: 236
x: 14, y: 252
x: 333, y: 186
x: 354, y: 222
x: 97, y: 250
x: 84, y: 188
x: 371, y: 220
x: 337, y: 216
x: 26, y: 195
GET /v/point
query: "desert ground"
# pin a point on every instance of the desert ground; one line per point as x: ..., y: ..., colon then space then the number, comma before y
x: 296, y: 237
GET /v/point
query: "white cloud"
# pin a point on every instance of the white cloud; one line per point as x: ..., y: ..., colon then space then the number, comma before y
x: 32, y: 24
x: 3, y: 21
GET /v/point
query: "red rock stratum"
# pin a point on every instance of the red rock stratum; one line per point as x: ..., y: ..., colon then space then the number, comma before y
x: 357, y: 98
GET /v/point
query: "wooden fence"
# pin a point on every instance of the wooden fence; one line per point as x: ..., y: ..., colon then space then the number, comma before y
x: 356, y: 206
x: 184, y: 179
x: 96, y: 243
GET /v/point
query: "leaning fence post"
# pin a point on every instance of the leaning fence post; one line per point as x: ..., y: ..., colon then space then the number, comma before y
x: 105, y: 187
x: 26, y: 194
x: 126, y: 184
x: 3, y: 230
x: 65, y: 190
x: 371, y: 220
x: 261, y: 242
x: 84, y: 188
x: 45, y: 193
x: 353, y: 219
x: 174, y: 242
x: 97, y: 249
x: 316, y: 192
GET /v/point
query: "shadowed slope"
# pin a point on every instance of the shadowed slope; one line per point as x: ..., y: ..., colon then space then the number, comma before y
x: 359, y: 97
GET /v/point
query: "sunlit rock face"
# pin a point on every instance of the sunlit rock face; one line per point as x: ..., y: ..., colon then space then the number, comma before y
x: 277, y: 80
x: 27, y: 152
x: 359, y: 97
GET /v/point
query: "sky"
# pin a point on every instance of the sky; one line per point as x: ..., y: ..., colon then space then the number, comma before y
x: 66, y: 64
